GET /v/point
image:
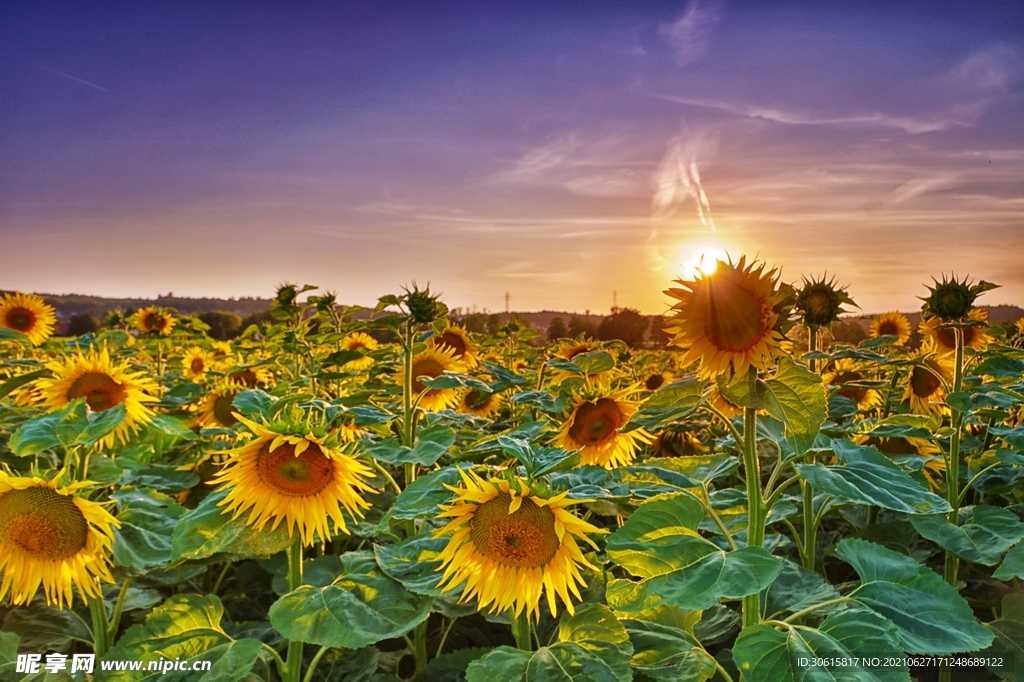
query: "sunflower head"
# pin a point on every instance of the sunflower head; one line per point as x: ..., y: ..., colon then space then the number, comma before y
x: 104, y: 384
x: 891, y: 324
x: 479, y: 403
x: 510, y: 546
x: 291, y: 473
x: 456, y: 338
x: 216, y: 408
x: 593, y: 425
x: 844, y: 375
x: 196, y: 362
x: 153, y: 320
x: 432, y: 363
x: 926, y: 385
x: 944, y: 337
x: 728, y: 320
x: 49, y: 537
x: 250, y: 377
x: 359, y: 341
x: 28, y: 314
x: 676, y: 444
x: 820, y: 302
x: 424, y: 307
x: 952, y: 299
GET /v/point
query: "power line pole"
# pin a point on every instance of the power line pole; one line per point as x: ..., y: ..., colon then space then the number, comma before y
x: 615, y: 301
x: 507, y: 297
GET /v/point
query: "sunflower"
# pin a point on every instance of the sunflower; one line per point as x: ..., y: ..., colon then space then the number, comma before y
x: 593, y: 426
x: 891, y: 324
x: 723, y: 404
x: 1019, y: 326
x: 28, y: 314
x: 479, y: 403
x: 359, y: 341
x: 656, y: 380
x: 103, y: 384
x: 568, y: 349
x: 49, y: 536
x: 945, y: 340
x: 925, y: 388
x: 250, y: 377
x: 457, y: 339
x: 433, y: 362
x: 727, y: 319
x: 508, y: 546
x: 842, y: 372
x: 303, y: 480
x: 152, y: 319
x: 222, y: 351
x: 196, y: 362
x: 216, y: 408
x: 820, y: 302
x: 676, y: 444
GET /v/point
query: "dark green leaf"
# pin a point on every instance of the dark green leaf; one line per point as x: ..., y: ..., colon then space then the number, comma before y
x: 422, y: 496
x: 668, y: 404
x: 796, y: 588
x: 254, y: 403
x: 206, y: 531
x: 455, y: 380
x: 866, y: 476
x: 413, y: 563
x: 668, y: 654
x: 163, y: 477
x: 983, y: 540
x: 1009, y: 639
x: 148, y: 519
x: 1013, y: 564
x: 17, y: 382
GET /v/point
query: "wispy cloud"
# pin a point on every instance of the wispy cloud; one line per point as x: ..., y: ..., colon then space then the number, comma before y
x: 678, y: 179
x: 689, y: 35
x: 69, y: 76
x: 777, y: 115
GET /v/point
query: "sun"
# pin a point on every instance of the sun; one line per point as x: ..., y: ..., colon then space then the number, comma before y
x: 701, y: 258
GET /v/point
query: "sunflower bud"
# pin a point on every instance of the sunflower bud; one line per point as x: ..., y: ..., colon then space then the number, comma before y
x: 820, y: 302
x: 424, y: 308
x: 952, y: 299
x: 286, y: 294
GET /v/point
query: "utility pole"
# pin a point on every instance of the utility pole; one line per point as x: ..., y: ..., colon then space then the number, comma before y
x: 507, y: 297
x: 615, y: 301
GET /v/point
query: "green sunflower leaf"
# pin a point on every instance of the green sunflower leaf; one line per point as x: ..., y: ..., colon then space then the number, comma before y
x: 668, y: 654
x: 414, y: 563
x: 866, y: 476
x: 982, y: 540
x: 148, y: 519
x: 668, y: 404
x: 1009, y: 639
x: 929, y: 614
x: 363, y: 606
x: 207, y: 530
x: 591, y: 646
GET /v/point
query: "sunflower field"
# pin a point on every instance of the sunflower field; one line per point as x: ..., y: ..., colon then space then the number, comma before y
x: 342, y: 495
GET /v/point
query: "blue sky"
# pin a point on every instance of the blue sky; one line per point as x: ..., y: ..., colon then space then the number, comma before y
x: 558, y: 153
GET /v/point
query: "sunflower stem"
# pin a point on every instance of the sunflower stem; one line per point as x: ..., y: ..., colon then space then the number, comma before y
x: 809, y: 547
x: 521, y: 631
x: 952, y: 566
x: 293, y: 664
x: 419, y: 648
x: 115, y: 618
x: 100, y: 643
x: 755, y: 502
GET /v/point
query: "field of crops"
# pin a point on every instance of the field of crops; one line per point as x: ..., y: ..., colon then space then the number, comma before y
x: 395, y: 498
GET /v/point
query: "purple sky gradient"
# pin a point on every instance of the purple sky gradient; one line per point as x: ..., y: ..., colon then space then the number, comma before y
x: 558, y: 153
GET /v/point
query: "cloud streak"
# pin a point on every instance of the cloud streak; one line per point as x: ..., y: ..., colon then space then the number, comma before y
x: 70, y: 77
x: 689, y: 35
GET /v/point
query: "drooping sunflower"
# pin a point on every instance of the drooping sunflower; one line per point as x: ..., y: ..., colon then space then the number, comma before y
x: 945, y: 339
x: 28, y: 314
x: 511, y: 547
x: 843, y: 372
x: 593, y: 425
x: 303, y: 480
x: 727, y: 320
x: 891, y: 324
x: 104, y: 384
x: 52, y: 538
x: 925, y: 387
x: 216, y: 407
x: 480, y: 403
x: 723, y: 404
x: 251, y: 377
x: 359, y: 341
x: 657, y: 379
x: 457, y: 338
x: 196, y: 362
x: 154, y: 320
x: 432, y: 363
x: 676, y: 444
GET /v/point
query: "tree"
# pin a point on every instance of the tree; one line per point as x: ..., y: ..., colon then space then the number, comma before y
x: 475, y: 322
x: 493, y: 323
x: 579, y: 325
x: 557, y: 329
x: 848, y: 332
x: 659, y: 337
x: 82, y: 324
x: 626, y: 325
x: 222, y: 325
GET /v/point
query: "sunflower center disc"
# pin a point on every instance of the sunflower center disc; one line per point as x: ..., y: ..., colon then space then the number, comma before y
x: 654, y: 382
x: 20, y: 319
x: 301, y: 476
x: 42, y: 522
x: 426, y: 367
x: 852, y: 392
x: 453, y: 341
x: 888, y: 329
x: 594, y: 423
x: 245, y: 376
x: 477, y: 400
x: 892, y: 446
x: 222, y: 408
x: 924, y: 383
x: 735, y: 321
x: 525, y: 538
x: 100, y: 391
x: 197, y: 365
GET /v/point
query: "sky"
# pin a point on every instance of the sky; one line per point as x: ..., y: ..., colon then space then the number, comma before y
x: 570, y: 154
